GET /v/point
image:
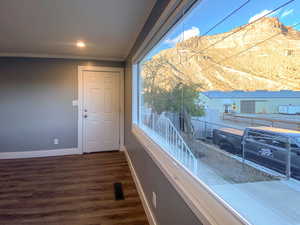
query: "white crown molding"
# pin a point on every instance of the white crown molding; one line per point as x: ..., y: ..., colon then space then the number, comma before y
x: 34, y: 55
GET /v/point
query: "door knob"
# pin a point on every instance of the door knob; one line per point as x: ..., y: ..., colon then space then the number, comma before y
x: 85, y: 116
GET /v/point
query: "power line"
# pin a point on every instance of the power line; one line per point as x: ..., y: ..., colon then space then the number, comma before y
x: 245, y: 50
x: 225, y: 18
x: 243, y: 27
x: 238, y: 30
x: 222, y: 20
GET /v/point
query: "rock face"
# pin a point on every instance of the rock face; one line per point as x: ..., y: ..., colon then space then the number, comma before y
x: 264, y: 55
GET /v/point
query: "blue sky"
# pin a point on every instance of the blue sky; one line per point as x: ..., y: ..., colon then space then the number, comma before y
x: 209, y: 12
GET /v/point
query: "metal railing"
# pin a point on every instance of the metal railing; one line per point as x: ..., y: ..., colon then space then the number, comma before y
x: 262, y: 140
x: 204, y: 129
x: 162, y: 130
x: 268, y: 143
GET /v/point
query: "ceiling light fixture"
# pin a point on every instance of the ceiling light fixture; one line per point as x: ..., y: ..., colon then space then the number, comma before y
x: 80, y: 44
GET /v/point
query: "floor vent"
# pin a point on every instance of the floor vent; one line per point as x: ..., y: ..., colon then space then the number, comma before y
x: 119, y: 195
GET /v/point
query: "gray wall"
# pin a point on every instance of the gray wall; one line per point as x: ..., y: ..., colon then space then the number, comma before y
x: 36, y: 102
x: 171, y: 209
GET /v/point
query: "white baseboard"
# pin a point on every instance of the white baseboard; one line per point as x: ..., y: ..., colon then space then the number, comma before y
x: 140, y: 190
x: 40, y: 153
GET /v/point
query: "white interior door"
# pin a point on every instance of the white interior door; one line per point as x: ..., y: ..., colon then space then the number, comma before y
x: 101, y: 111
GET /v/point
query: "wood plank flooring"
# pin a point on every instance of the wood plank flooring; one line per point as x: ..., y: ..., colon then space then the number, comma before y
x: 68, y: 190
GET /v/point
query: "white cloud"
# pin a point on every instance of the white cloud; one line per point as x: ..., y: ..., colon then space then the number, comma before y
x: 259, y: 15
x: 194, y: 31
x: 287, y: 12
x: 262, y: 14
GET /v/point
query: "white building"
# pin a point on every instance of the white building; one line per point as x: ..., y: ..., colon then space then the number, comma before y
x: 263, y: 102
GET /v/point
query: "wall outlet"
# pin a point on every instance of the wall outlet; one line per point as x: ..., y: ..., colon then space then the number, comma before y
x: 75, y: 103
x: 56, y: 141
x: 154, y: 199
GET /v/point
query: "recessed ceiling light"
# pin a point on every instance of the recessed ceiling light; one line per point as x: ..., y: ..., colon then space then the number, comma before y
x: 80, y: 44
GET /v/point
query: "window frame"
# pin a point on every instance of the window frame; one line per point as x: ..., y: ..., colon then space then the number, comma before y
x: 210, y: 208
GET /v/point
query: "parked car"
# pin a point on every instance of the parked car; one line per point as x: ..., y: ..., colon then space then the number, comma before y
x: 266, y: 146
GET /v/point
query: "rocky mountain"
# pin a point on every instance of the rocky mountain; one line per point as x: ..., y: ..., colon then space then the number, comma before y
x: 264, y: 55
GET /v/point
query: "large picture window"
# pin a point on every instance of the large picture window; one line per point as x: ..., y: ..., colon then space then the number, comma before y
x: 220, y: 93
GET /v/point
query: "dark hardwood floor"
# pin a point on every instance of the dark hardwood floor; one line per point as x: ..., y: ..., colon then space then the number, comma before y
x: 68, y: 190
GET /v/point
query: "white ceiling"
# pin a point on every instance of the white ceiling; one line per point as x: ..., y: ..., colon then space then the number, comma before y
x: 52, y: 27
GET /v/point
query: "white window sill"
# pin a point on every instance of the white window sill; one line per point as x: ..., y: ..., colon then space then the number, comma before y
x: 206, y: 205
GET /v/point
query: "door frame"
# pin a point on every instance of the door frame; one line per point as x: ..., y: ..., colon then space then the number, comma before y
x: 81, y: 69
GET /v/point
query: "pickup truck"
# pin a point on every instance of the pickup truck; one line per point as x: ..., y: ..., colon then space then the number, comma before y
x: 229, y: 139
x: 267, y: 146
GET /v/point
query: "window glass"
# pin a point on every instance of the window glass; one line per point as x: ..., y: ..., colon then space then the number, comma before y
x: 221, y: 94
